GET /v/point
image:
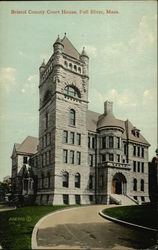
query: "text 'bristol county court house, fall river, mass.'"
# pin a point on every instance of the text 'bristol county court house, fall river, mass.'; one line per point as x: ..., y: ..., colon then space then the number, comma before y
x: 64, y: 12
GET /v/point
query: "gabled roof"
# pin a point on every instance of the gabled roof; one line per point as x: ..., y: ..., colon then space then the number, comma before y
x: 69, y: 49
x: 28, y: 146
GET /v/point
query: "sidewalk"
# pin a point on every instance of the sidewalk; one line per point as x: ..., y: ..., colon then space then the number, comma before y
x: 6, y: 208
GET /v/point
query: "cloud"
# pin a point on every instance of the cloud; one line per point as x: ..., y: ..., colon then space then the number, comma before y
x: 10, y: 117
x: 145, y: 35
x: 7, y: 78
x: 125, y: 97
x: 137, y: 49
x: 114, y: 49
x: 30, y: 87
x: 21, y: 53
x: 149, y: 97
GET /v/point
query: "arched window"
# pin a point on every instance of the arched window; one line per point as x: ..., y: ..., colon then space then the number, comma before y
x: 66, y: 64
x: 79, y: 69
x: 65, y: 179
x: 142, y: 185
x: 70, y: 65
x: 90, y: 181
x: 75, y: 67
x: 77, y: 180
x: 72, y: 117
x: 72, y: 91
x: 135, y: 184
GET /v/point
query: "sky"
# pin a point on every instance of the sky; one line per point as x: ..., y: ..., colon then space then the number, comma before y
x: 122, y: 68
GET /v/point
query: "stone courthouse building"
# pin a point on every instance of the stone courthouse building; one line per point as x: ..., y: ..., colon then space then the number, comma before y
x: 83, y: 157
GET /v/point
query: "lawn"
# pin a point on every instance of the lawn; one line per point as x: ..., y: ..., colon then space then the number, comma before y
x: 145, y: 215
x: 16, y: 226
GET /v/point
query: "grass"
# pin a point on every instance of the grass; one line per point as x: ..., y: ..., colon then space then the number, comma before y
x: 145, y: 215
x: 16, y: 226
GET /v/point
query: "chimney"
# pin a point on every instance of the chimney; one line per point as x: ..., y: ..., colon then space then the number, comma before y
x: 108, y: 107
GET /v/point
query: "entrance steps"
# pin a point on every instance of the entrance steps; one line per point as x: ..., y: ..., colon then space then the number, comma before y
x: 122, y: 199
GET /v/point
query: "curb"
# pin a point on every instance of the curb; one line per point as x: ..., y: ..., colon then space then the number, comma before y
x: 126, y: 223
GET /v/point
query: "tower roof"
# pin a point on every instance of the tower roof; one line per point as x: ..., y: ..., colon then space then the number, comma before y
x: 84, y: 52
x: 69, y: 49
x: 58, y: 40
x: 108, y: 120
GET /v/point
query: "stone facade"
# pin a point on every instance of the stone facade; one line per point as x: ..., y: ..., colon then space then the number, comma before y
x: 83, y: 156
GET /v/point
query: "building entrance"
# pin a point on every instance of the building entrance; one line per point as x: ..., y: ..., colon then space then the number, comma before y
x: 119, y: 184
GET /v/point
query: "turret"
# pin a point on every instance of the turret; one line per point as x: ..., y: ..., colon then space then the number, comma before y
x: 42, y: 67
x: 58, y: 46
x: 85, y: 59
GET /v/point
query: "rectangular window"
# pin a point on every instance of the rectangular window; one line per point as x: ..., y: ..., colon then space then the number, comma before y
x: 134, y: 166
x: 138, y: 166
x: 142, y: 152
x: 48, y: 138
x: 125, y: 148
x: 90, y: 198
x: 90, y: 160
x: 64, y: 156
x: 45, y: 140
x: 24, y: 159
x: 71, y: 157
x: 77, y: 199
x: 78, y: 158
x: 118, y: 158
x: 142, y: 167
x: 101, y: 181
x: 45, y: 158
x: 118, y: 142
x: 134, y: 150
x: 103, y: 142
x: 89, y: 142
x: 90, y: 181
x: 78, y: 139
x: 72, y: 137
x: 65, y: 136
x: 93, y: 142
x: 48, y: 158
x: 65, y: 199
x: 47, y: 120
x: 42, y: 142
x: 42, y: 160
x: 138, y: 152
x: 111, y: 157
x: 111, y: 142
x: 103, y: 158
